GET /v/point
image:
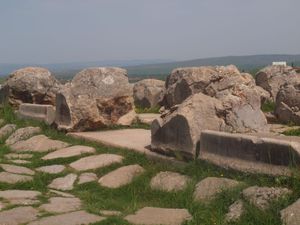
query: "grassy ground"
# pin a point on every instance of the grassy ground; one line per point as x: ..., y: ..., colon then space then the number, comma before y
x: 268, y: 106
x: 138, y: 194
x: 139, y: 109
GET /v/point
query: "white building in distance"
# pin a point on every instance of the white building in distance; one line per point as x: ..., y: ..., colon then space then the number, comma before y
x: 279, y: 63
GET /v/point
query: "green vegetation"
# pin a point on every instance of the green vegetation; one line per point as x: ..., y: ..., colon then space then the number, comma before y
x: 293, y: 132
x: 268, y: 106
x: 139, y: 109
x: 138, y: 194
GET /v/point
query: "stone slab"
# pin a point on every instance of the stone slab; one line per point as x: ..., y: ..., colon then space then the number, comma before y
x: 20, y: 215
x: 18, y: 156
x: 22, y: 134
x: 11, y: 178
x: 52, y: 169
x: 64, y: 183
x: 61, y: 205
x: 19, y: 194
x: 17, y: 169
x: 69, y: 152
x: 291, y: 214
x: 7, y: 130
x: 20, y: 161
x: 110, y: 213
x: 147, y: 118
x: 87, y: 177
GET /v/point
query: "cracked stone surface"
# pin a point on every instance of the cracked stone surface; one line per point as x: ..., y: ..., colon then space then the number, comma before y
x: 96, y: 161
x: 18, y: 215
x: 11, y: 178
x: 69, y: 152
x: 87, y: 177
x: 53, y: 169
x: 169, y: 181
x: 22, y: 134
x: 159, y: 216
x: 16, y: 169
x: 61, y: 205
x: 64, y: 183
x: 121, y: 176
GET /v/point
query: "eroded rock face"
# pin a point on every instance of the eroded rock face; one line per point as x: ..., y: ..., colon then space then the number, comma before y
x: 96, y: 97
x: 287, y: 108
x: 31, y: 85
x: 148, y: 92
x: 271, y: 78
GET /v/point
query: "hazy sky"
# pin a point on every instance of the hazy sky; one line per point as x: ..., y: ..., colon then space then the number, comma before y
x: 49, y: 31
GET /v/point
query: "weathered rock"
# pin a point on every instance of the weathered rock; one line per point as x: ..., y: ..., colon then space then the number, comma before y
x: 16, y: 169
x: 64, y: 183
x: 96, y: 97
x: 110, y: 213
x: 148, y: 93
x: 261, y: 197
x: 31, y: 85
x: 61, y: 205
x: 69, y: 152
x: 121, y: 176
x: 169, y: 181
x: 271, y: 78
x: 147, y: 118
x: 53, y: 169
x: 287, y: 107
x: 159, y: 216
x: 291, y: 214
x: 96, y: 161
x: 20, y: 215
x: 235, y: 211
x: 209, y: 187
x: 22, y: 134
x: 87, y: 177
x: 72, y: 218
x: 11, y: 178
x: 7, y: 130
x: 18, y: 156
x: 11, y: 195
x: 39, y: 143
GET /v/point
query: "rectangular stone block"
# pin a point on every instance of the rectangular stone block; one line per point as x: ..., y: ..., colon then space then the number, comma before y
x: 38, y: 112
x: 255, y: 153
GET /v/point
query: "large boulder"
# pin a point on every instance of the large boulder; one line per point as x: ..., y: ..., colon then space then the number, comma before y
x: 213, y: 98
x: 148, y: 92
x: 287, y: 107
x: 30, y: 85
x: 95, y: 98
x: 271, y: 78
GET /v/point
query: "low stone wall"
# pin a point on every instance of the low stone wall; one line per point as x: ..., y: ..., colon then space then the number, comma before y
x: 257, y: 153
x: 38, y: 112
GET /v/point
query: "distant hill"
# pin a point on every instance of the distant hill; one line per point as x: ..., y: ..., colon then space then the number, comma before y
x: 159, y: 68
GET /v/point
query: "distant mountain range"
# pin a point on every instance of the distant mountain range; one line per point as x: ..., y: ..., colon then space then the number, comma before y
x: 159, y: 67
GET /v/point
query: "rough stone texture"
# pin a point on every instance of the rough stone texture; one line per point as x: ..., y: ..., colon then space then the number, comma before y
x: 235, y: 211
x: 271, y: 78
x: 11, y: 178
x: 45, y: 113
x: 287, y: 107
x: 291, y: 214
x: 96, y: 161
x: 39, y: 143
x: 22, y: 134
x: 110, y: 213
x: 63, y: 183
x: 16, y: 169
x: 61, y: 205
x: 169, y: 181
x: 209, y: 187
x: 7, y: 130
x: 72, y: 218
x: 31, y: 85
x: 261, y: 197
x: 159, y: 216
x: 96, y: 97
x: 148, y: 93
x: 20, y: 215
x: 265, y: 153
x: 18, y: 156
x: 121, y: 176
x: 20, y: 197
x: 87, y: 177
x: 147, y: 118
x: 69, y: 152
x: 53, y: 169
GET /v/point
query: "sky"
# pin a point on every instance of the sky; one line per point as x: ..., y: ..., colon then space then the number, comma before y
x: 60, y: 31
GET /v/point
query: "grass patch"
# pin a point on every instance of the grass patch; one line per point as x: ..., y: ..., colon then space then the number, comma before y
x: 139, y: 109
x: 268, y: 106
x: 292, y: 132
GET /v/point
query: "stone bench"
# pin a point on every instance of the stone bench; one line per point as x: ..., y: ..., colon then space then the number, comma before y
x: 38, y: 112
x: 255, y: 153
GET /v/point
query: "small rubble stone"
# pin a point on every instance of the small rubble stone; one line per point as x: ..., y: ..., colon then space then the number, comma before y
x: 291, y: 214
x: 11, y: 178
x: 7, y: 130
x: 39, y: 143
x: 61, y: 205
x: 69, y: 152
x: 20, y: 215
x: 169, y: 181
x: 53, y: 169
x: 18, y: 156
x: 62, y: 194
x: 207, y: 188
x: 121, y: 176
x: 22, y: 134
x: 63, y: 183
x: 96, y: 161
x: 261, y: 197
x: 87, y: 177
x: 16, y: 169
x: 72, y: 218
x: 159, y: 216
x: 235, y: 211
x: 110, y: 213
